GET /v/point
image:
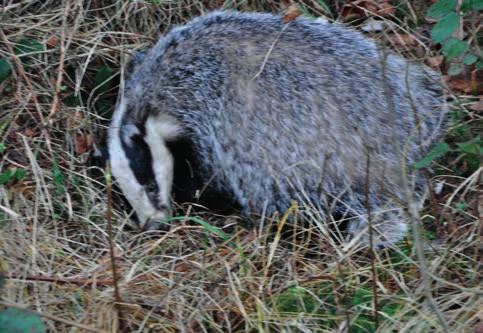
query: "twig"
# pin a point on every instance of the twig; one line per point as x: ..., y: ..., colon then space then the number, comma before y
x: 423, y: 265
x: 60, y: 70
x: 371, y: 243
x: 76, y: 281
x: 115, y: 276
x: 52, y: 317
x: 345, y: 297
x: 53, y: 279
x: 412, y: 210
x: 477, y: 246
x: 265, y: 59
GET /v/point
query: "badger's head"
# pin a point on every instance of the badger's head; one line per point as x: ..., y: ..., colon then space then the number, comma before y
x: 142, y: 164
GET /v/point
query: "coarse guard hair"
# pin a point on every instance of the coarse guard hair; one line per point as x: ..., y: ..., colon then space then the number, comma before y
x: 273, y: 113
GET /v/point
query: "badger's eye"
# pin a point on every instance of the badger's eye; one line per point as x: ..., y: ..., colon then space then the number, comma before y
x: 128, y: 133
x: 151, y: 187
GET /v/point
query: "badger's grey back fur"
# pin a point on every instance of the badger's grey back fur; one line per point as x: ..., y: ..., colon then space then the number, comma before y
x: 280, y: 112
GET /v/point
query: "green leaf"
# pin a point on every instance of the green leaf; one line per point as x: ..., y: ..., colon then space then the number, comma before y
x: 5, y: 68
x: 454, y: 47
x: 20, y: 321
x: 7, y: 175
x: 445, y: 27
x: 473, y: 146
x: 324, y: 5
x: 3, y: 223
x: 441, y: 8
x: 473, y: 162
x: 103, y: 79
x: 58, y: 179
x: 470, y: 59
x: 361, y: 296
x: 471, y: 5
x: 20, y: 174
x: 479, y: 65
x: 460, y: 206
x: 429, y: 235
x: 455, y: 69
x: 2, y: 279
x: 2, y: 147
x: 362, y: 324
x: 208, y: 227
x: 71, y: 100
x: 28, y: 45
x: 104, y: 108
x: 439, y: 150
x: 391, y: 309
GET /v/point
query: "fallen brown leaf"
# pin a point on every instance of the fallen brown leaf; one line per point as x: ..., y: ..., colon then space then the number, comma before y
x: 479, y: 328
x: 52, y: 41
x: 478, y: 106
x: 402, y: 39
x: 291, y: 13
x: 435, y: 62
x: 224, y: 251
x: 469, y: 82
x: 366, y: 8
x: 82, y: 142
x: 29, y: 132
x: 181, y: 267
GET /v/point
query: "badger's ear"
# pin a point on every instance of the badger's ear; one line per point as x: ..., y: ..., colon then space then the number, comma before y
x: 137, y: 58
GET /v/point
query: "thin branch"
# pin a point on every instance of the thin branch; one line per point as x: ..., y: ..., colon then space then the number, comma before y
x: 60, y: 70
x: 87, y: 282
x: 270, y: 50
x: 371, y: 243
x: 412, y: 210
x: 115, y: 276
x: 345, y: 297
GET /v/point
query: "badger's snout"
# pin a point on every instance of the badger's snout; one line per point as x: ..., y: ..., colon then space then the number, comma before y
x: 159, y: 221
x: 143, y: 166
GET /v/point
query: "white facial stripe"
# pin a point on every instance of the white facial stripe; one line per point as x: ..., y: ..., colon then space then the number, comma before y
x: 159, y: 129
x: 123, y: 174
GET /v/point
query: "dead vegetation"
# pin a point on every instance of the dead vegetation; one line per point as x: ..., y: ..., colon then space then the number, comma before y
x: 56, y: 99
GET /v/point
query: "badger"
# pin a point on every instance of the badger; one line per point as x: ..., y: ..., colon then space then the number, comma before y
x: 273, y: 113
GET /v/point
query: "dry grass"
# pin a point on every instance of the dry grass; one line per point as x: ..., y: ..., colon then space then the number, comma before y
x: 53, y: 239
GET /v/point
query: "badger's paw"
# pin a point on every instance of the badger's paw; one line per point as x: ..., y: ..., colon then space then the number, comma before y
x: 388, y: 228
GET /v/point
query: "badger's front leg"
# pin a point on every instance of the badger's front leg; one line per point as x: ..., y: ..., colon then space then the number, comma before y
x: 143, y: 165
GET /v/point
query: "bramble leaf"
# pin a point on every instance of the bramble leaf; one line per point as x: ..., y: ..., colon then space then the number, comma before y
x: 441, y: 8
x: 454, y: 47
x: 470, y: 59
x: 455, y: 69
x: 445, y: 27
x: 471, y: 6
x: 28, y: 45
x: 103, y: 79
x: 438, y: 151
x: 5, y: 68
x: 474, y: 146
x: 20, y: 321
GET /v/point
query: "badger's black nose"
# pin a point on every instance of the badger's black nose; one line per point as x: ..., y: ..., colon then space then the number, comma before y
x: 156, y: 223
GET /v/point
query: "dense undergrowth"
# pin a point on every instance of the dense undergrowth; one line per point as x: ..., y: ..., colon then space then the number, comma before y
x: 59, y: 74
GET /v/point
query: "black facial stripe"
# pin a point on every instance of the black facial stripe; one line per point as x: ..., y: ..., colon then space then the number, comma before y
x: 141, y: 163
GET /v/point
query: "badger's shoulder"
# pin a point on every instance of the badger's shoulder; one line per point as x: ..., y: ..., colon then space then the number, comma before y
x: 229, y: 48
x: 232, y: 27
